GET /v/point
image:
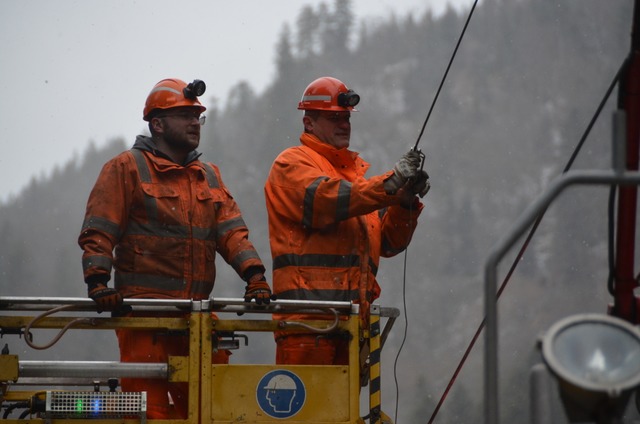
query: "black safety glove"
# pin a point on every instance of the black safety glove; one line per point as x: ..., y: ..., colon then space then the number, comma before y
x: 258, y: 289
x: 107, y: 299
x: 420, y: 185
x: 405, y: 169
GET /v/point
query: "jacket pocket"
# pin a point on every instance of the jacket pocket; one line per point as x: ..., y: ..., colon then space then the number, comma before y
x: 162, y: 204
x: 159, y: 190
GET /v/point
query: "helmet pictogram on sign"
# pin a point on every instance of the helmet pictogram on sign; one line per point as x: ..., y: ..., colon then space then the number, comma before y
x: 280, y: 394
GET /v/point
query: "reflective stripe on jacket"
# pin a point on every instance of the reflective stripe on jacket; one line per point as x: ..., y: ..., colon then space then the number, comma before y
x: 165, y: 222
x: 328, y: 225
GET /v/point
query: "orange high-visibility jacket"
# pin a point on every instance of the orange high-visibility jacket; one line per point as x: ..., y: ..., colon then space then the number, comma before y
x: 165, y: 222
x: 328, y: 225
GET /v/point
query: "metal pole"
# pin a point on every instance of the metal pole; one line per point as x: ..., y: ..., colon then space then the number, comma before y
x: 501, y: 248
x: 92, y: 369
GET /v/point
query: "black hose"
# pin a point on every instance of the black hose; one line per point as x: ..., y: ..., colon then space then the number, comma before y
x: 13, y: 406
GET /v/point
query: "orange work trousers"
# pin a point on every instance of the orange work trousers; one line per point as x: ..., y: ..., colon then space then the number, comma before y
x: 311, y: 349
x: 164, y: 400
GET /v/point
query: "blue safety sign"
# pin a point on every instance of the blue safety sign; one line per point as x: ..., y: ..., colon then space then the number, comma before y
x: 281, y: 394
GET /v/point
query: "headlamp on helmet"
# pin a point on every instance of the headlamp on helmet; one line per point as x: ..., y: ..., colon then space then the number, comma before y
x: 194, y: 89
x: 348, y: 99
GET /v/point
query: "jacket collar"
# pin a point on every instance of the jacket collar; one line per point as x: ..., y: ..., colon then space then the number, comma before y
x: 339, y: 158
x: 146, y: 144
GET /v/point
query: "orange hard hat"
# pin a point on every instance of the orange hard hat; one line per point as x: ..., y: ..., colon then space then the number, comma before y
x: 173, y: 92
x: 328, y: 93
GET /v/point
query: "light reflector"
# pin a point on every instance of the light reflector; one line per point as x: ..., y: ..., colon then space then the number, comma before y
x: 596, y: 359
x: 594, y: 352
x: 84, y: 404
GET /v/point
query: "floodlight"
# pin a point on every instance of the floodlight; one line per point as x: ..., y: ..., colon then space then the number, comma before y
x: 596, y: 359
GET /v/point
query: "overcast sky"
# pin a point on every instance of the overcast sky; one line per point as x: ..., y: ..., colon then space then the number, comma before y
x: 75, y: 71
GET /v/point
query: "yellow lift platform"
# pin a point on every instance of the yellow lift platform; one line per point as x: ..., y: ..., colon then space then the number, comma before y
x: 220, y: 394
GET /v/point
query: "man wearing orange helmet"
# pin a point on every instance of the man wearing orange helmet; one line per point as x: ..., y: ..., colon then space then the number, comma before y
x: 328, y: 224
x: 165, y: 214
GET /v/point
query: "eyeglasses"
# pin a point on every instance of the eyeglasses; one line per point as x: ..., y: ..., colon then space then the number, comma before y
x: 186, y: 116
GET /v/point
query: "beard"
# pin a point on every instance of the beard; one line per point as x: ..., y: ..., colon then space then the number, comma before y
x: 184, y: 141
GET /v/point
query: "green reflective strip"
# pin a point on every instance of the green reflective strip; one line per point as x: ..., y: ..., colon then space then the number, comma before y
x: 309, y: 195
x: 174, y: 231
x: 320, y: 260
x: 211, y: 176
x: 160, y: 282
x: 101, y: 224
x: 344, y: 198
x: 243, y: 256
x: 373, y: 268
x: 155, y: 229
x: 150, y: 203
x: 143, y: 168
x: 316, y: 259
x: 99, y: 261
x: 225, y: 226
x: 321, y: 295
x: 199, y: 233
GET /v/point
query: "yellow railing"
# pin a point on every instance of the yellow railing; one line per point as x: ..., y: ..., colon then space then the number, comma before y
x: 218, y: 393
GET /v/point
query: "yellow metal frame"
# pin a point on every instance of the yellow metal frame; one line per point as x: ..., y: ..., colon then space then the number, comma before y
x: 333, y: 392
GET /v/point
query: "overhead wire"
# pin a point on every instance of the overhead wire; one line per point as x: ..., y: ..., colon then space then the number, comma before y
x: 446, y: 72
x: 525, y: 244
x: 415, y: 148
